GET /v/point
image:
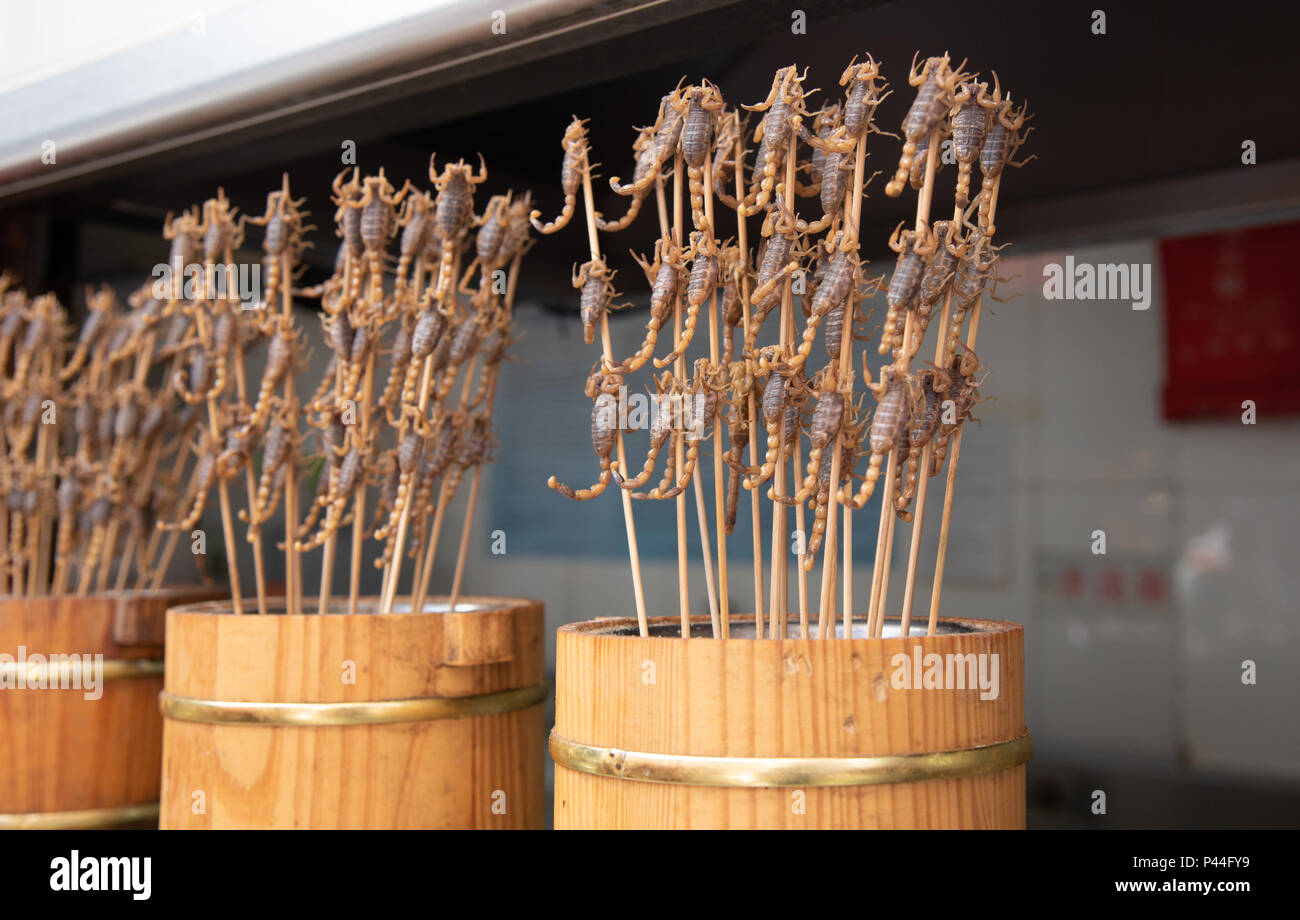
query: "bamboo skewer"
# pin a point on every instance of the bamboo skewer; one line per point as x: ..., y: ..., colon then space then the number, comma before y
x: 721, y: 610
x: 608, y: 349
x: 748, y: 358
x: 941, y: 558
x: 511, y: 286
x: 880, y: 582
x: 679, y: 436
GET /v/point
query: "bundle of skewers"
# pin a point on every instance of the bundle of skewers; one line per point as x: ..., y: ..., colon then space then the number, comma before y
x: 165, y: 414
x: 93, y: 443
x: 806, y: 181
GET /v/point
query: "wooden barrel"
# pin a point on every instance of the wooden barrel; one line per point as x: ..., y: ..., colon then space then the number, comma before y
x: 88, y: 753
x: 664, y: 732
x: 405, y: 720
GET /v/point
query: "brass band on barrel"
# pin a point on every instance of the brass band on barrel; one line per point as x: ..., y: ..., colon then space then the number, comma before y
x: 68, y: 667
x: 379, y: 712
x: 114, y: 816
x: 759, y: 772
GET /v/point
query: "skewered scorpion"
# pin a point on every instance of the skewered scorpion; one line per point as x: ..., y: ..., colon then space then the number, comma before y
x: 783, y: 116
x: 698, y: 410
x: 912, y: 246
x: 667, y: 402
x: 644, y: 148
x: 970, y: 126
x: 576, y: 153
x: 780, y: 258
x: 963, y: 395
x: 453, y: 212
x: 596, y: 282
x: 284, y: 225
x: 700, y: 285
x: 1000, y: 145
x: 936, y: 81
x: 782, y: 394
x: 934, y: 382
x: 603, y: 388
x: 701, y: 105
x: 665, y: 276
x: 663, y: 139
x: 894, y: 396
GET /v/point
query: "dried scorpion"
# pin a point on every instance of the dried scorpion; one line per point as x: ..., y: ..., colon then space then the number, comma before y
x: 963, y: 395
x: 576, y: 153
x: 894, y: 396
x: 971, y: 108
x: 596, y: 282
x: 665, y: 277
x: 701, y: 106
x: 603, y: 388
x: 700, y: 285
x: 783, y: 118
x: 703, y: 401
x: 782, y: 396
x: 284, y: 225
x: 912, y: 247
x: 453, y: 213
x: 936, y: 81
x: 1000, y: 145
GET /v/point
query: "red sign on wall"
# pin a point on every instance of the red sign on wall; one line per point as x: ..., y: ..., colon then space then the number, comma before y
x: 1232, y: 323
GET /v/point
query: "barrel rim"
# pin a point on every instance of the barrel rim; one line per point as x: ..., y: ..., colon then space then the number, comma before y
x: 783, y: 772
x: 129, y: 594
x: 627, y: 628
x: 466, y: 604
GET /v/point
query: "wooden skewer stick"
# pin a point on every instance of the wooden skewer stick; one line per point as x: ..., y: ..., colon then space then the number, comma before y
x: 679, y: 436
x: 44, y: 530
x: 826, y: 617
x: 489, y: 402
x: 720, y: 611
x: 922, y: 488
x: 888, y: 516
x: 331, y: 541
x: 697, y: 483
x: 756, y: 510
x: 634, y: 555
x: 393, y: 572
x: 941, y: 558
x: 292, y: 557
x: 780, y: 521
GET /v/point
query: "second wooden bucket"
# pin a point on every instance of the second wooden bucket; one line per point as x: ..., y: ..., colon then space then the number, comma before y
x: 406, y: 720
x: 79, y: 682
x: 663, y: 732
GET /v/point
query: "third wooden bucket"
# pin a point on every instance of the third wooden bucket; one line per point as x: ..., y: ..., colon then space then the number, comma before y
x: 82, y: 736
x: 367, y: 720
x: 664, y: 732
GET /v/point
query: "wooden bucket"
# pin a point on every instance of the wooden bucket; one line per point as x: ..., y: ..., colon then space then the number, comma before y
x: 71, y: 761
x: 664, y: 732
x: 425, y: 720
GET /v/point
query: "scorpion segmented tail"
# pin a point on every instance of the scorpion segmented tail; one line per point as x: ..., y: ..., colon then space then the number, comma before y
x: 633, y: 209
x: 770, y: 458
x: 592, y: 491
x: 688, y: 333
x: 566, y: 214
x: 688, y: 471
x: 869, y: 483
x: 895, y: 186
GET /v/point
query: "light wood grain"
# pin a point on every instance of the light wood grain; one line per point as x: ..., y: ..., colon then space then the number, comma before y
x: 742, y: 697
x: 434, y: 774
x: 63, y: 752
